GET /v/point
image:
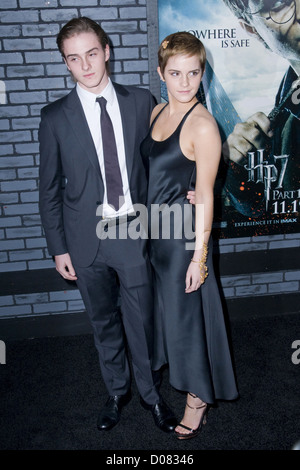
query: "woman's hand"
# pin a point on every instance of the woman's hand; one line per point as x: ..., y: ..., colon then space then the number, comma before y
x: 195, y: 277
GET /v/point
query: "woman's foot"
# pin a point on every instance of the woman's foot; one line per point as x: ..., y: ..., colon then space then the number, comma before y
x: 193, y: 419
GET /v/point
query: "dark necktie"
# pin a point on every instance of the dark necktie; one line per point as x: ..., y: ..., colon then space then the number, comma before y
x: 113, y: 177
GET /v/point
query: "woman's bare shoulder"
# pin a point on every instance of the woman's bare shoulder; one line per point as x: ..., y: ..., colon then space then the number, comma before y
x: 156, y: 110
x: 202, y: 121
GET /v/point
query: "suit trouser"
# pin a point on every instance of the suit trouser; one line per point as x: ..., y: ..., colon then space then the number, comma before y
x: 121, y: 267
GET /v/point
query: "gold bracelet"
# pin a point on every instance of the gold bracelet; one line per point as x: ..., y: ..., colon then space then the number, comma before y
x: 204, y: 254
x: 202, y: 263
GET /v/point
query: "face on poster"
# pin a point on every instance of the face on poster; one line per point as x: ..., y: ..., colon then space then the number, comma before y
x: 253, y: 52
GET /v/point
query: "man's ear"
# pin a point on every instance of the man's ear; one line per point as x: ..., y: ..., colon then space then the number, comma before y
x: 160, y: 74
x: 107, y: 52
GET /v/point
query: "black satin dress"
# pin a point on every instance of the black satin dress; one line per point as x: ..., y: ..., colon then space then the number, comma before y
x: 190, y: 334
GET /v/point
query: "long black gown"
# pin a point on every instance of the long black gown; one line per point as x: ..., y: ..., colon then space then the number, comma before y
x: 190, y: 333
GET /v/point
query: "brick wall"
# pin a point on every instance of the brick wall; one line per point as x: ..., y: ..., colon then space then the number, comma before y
x: 32, y: 74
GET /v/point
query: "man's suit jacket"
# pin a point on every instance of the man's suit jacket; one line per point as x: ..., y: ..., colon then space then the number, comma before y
x: 67, y: 153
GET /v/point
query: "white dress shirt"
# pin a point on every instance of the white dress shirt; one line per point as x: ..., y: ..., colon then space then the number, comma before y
x: 92, y: 113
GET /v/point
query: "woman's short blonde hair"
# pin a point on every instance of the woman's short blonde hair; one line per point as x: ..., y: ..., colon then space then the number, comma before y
x: 180, y: 43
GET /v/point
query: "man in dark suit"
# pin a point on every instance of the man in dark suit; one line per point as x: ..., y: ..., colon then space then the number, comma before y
x: 73, y: 150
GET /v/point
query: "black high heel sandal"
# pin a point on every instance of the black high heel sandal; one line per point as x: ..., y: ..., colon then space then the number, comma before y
x: 193, y: 432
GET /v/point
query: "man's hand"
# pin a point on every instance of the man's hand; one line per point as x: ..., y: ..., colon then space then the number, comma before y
x: 191, y: 196
x: 247, y: 136
x: 65, y: 267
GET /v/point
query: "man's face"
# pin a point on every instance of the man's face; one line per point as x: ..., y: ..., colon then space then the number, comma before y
x: 86, y: 60
x: 283, y: 39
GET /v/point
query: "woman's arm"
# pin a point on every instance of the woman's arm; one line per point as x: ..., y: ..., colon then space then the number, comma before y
x: 207, y: 154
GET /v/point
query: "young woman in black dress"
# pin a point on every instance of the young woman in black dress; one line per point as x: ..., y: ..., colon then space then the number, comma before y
x: 183, y: 149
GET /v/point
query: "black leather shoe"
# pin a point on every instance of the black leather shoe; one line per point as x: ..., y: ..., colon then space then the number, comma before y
x: 163, y: 416
x: 111, y: 412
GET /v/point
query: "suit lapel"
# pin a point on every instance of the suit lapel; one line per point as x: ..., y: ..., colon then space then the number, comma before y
x: 77, y: 120
x: 128, y: 116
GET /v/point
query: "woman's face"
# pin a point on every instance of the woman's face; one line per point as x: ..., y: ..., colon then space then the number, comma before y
x: 182, y: 75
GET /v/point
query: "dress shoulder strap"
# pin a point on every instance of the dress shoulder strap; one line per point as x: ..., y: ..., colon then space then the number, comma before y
x: 188, y: 113
x: 178, y: 129
x: 158, y: 114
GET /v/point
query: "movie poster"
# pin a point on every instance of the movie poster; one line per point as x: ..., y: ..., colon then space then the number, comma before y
x: 251, y: 87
